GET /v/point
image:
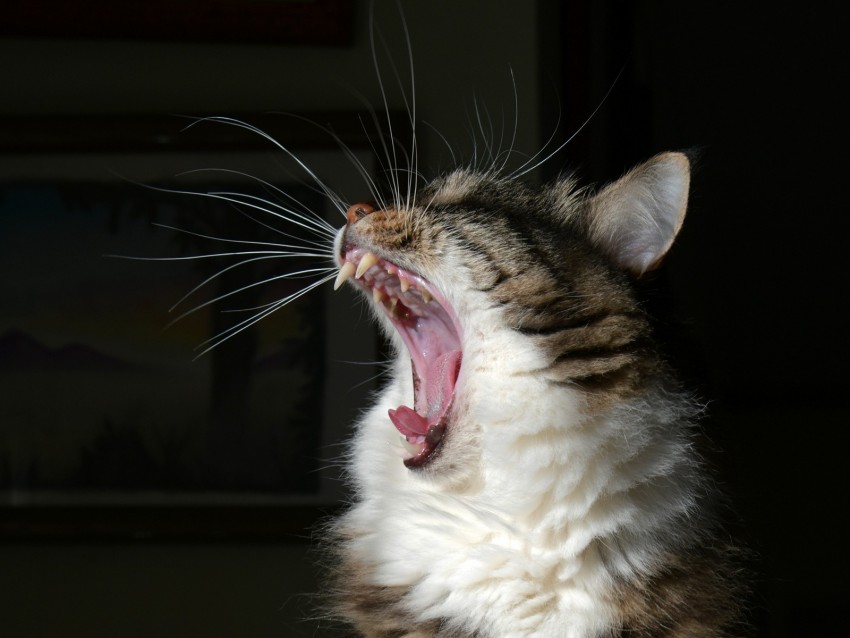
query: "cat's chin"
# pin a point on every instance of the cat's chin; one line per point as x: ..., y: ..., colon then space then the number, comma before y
x: 430, y: 329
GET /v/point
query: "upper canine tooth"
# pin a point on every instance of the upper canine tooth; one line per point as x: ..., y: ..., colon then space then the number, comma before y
x: 344, y: 273
x: 368, y: 260
x: 404, y: 283
x: 426, y: 296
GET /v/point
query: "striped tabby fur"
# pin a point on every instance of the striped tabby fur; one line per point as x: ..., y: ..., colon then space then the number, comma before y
x: 560, y: 495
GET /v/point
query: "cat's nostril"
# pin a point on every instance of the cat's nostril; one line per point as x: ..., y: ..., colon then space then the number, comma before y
x: 356, y: 212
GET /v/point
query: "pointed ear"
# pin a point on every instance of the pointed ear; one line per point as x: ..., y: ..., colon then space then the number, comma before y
x: 635, y: 219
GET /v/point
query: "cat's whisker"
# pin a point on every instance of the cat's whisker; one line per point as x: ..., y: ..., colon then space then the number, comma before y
x: 512, y: 147
x: 444, y: 140
x: 310, y: 226
x: 216, y: 299
x: 223, y: 336
x: 379, y: 375
x: 322, y: 246
x: 297, y: 249
x: 307, y: 215
x: 392, y: 158
x: 308, y: 223
x: 488, y: 134
x: 244, y: 262
x: 382, y: 156
x: 528, y: 166
x: 414, y: 150
x: 270, y: 253
x: 409, y: 100
x: 358, y: 165
x: 328, y: 192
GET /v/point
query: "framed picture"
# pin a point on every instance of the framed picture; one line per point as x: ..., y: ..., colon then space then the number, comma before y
x: 221, y: 418
x: 293, y: 22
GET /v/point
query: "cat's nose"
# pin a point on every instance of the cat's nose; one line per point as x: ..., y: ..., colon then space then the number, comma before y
x: 356, y: 212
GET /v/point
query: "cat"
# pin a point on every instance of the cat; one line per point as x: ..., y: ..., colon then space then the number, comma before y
x: 529, y: 469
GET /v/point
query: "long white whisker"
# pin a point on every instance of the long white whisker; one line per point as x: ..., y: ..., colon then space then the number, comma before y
x: 293, y: 275
x: 520, y: 172
x: 234, y: 330
x: 413, y: 157
x: 219, y: 273
x: 516, y: 124
x: 331, y: 195
x: 445, y: 141
x: 391, y: 157
x: 307, y: 222
x: 247, y: 242
x: 381, y: 158
x: 347, y: 151
x: 321, y: 245
x: 272, y: 253
x: 225, y: 196
x: 317, y: 219
x: 310, y: 226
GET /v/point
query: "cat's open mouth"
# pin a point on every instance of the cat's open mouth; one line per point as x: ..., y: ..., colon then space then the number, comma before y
x: 430, y: 330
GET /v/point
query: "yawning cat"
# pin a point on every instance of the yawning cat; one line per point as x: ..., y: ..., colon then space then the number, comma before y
x: 529, y: 468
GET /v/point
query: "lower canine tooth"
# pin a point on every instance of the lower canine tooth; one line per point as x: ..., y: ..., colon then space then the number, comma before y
x: 426, y: 296
x: 344, y: 273
x: 377, y: 295
x: 405, y: 284
x: 366, y: 262
x: 411, y: 448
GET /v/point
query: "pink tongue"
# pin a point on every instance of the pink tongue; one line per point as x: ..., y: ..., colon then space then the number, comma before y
x: 408, y: 422
x: 440, y: 383
x: 435, y: 392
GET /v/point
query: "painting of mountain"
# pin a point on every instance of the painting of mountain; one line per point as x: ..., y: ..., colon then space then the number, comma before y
x: 100, y: 395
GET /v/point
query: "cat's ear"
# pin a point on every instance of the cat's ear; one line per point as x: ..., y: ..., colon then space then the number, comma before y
x: 635, y: 219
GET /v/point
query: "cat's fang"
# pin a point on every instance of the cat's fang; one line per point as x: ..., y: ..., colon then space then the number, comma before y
x: 426, y: 296
x: 411, y: 450
x: 366, y: 262
x: 377, y: 295
x: 344, y: 275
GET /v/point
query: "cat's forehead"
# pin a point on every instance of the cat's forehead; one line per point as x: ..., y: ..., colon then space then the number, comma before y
x: 456, y: 187
x: 463, y: 188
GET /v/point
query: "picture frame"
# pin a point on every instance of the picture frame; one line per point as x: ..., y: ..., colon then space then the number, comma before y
x: 87, y: 281
x: 287, y: 22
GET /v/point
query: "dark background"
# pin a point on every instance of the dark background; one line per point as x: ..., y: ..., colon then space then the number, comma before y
x: 751, y: 298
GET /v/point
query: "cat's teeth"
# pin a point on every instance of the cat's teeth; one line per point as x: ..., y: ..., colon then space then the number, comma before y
x: 410, y: 449
x: 366, y: 262
x: 344, y: 274
x: 377, y: 295
x: 426, y: 296
x: 404, y: 283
